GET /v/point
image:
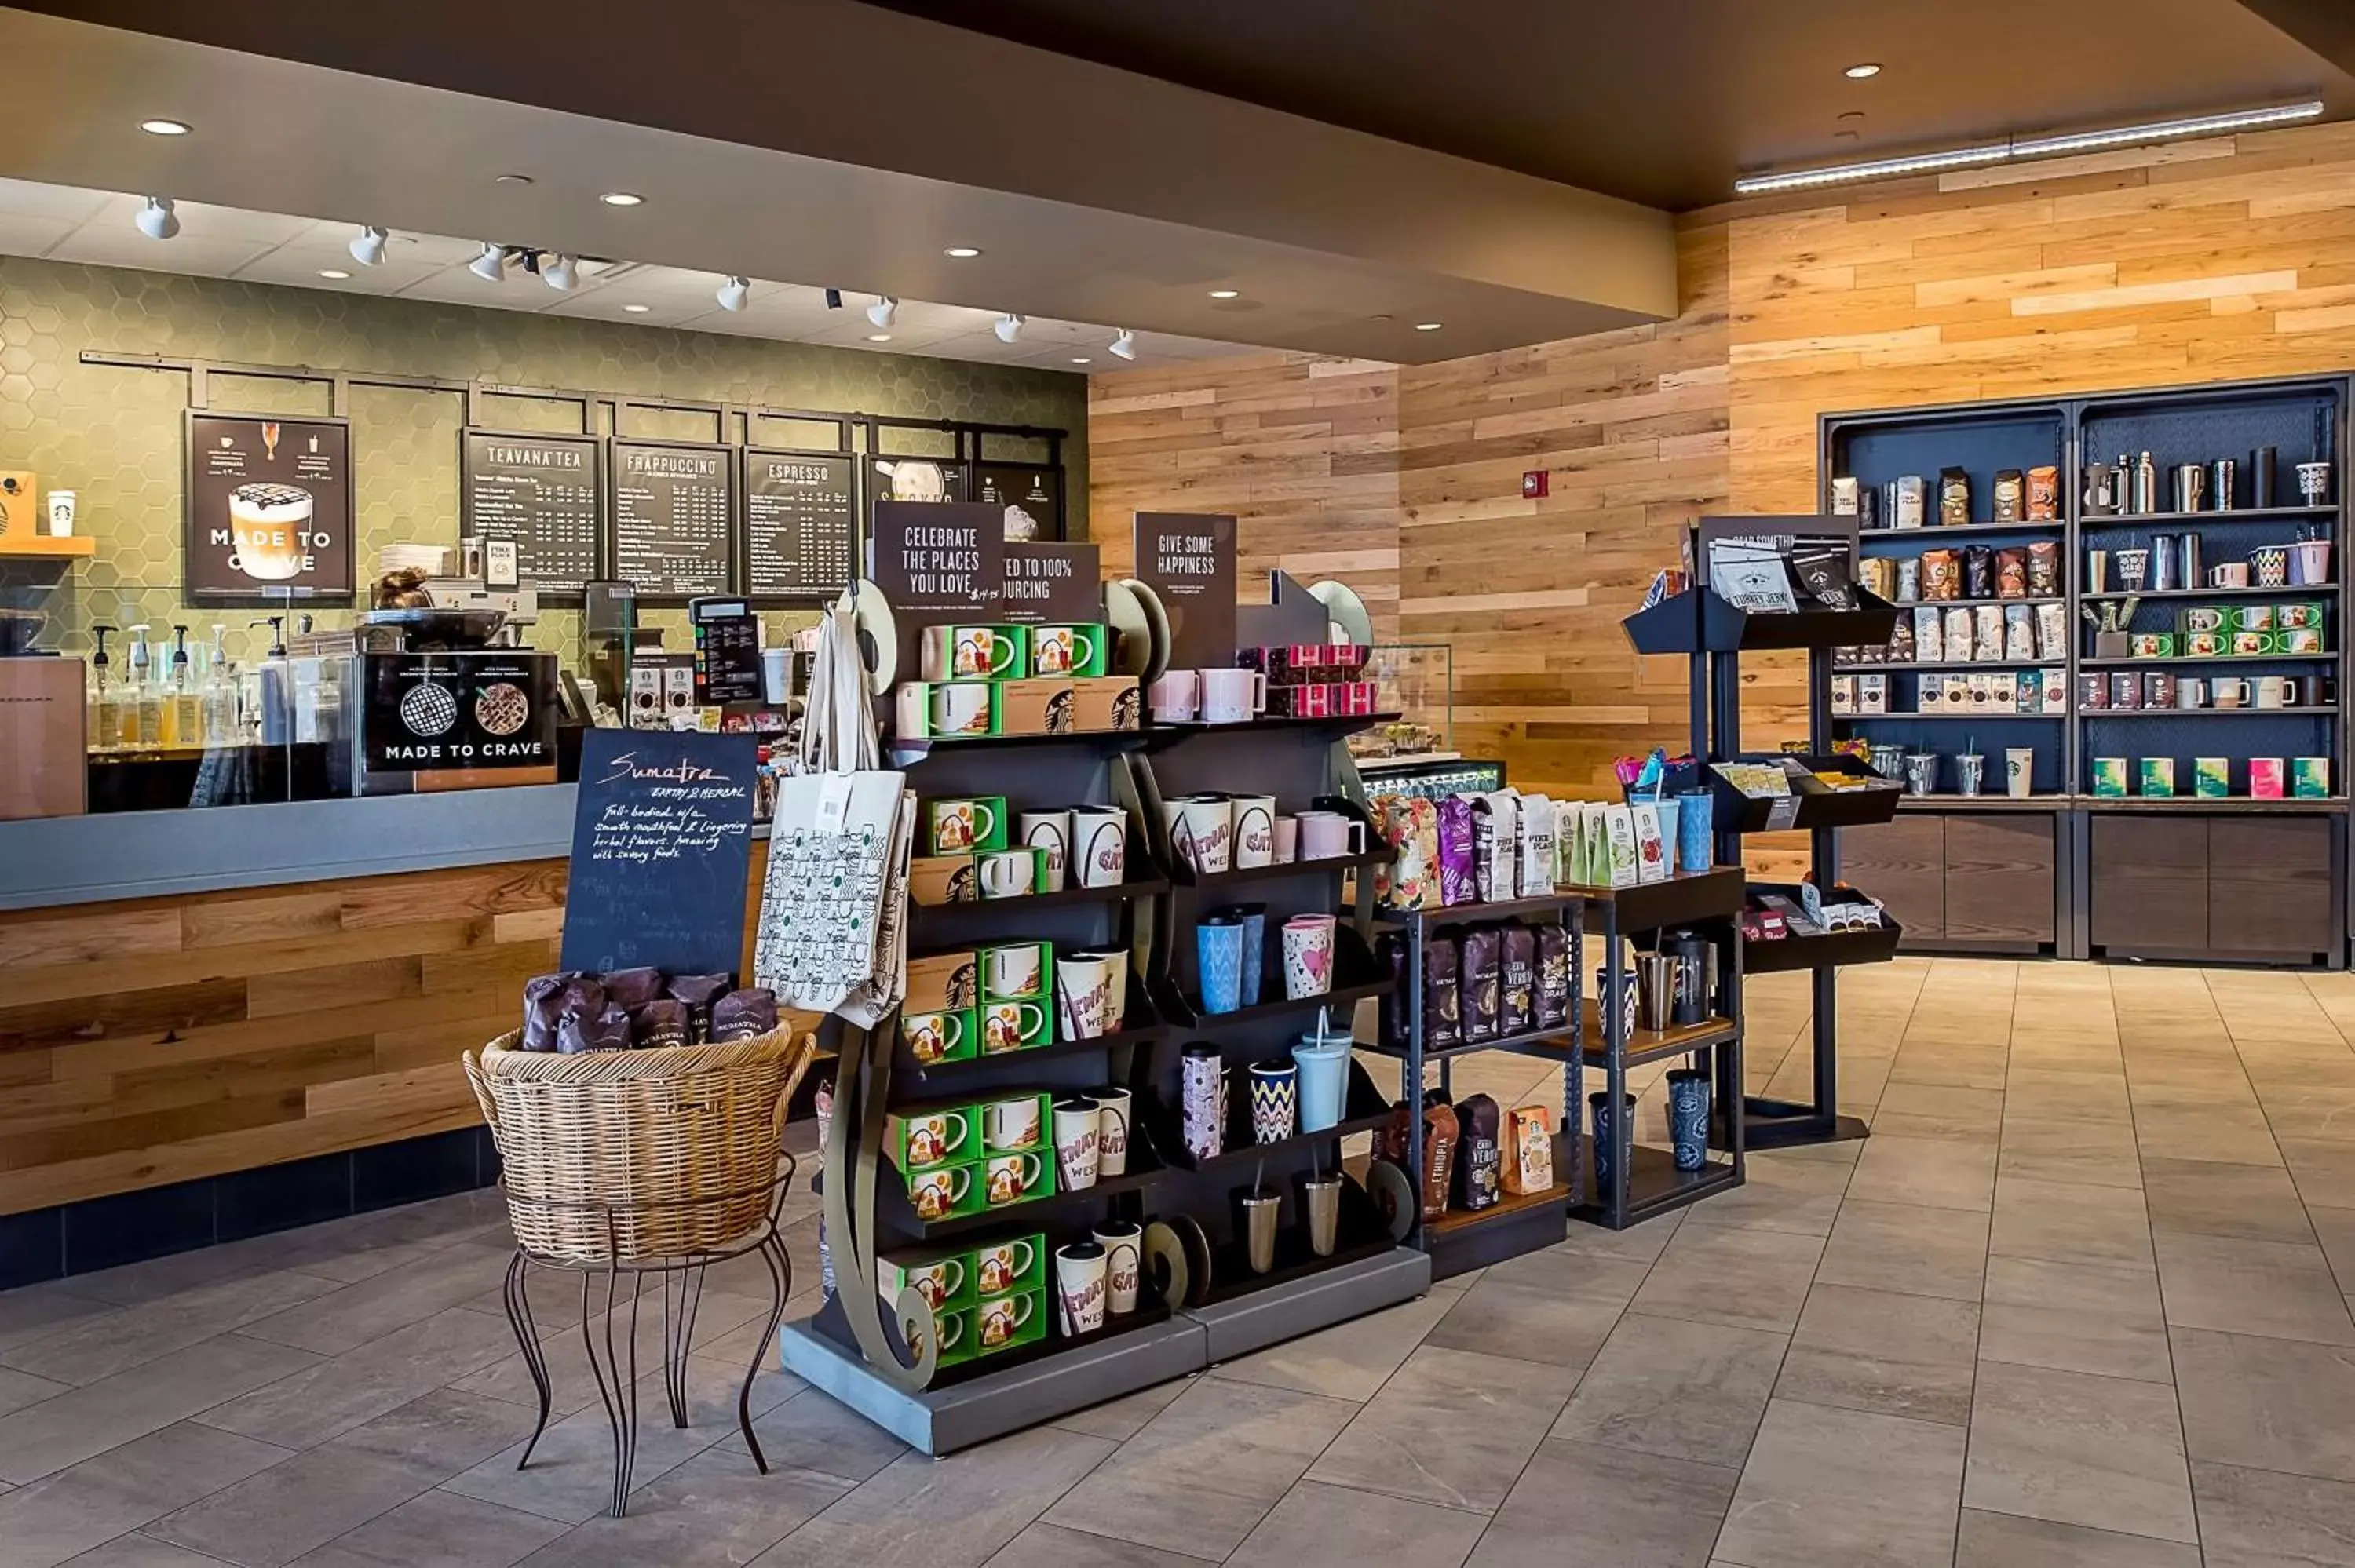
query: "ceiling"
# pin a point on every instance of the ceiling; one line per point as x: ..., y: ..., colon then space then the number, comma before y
x: 66, y: 224
x: 1664, y: 102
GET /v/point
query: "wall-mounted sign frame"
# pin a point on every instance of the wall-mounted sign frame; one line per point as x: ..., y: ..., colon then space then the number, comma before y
x: 266, y: 510
x: 671, y: 524
x: 543, y: 494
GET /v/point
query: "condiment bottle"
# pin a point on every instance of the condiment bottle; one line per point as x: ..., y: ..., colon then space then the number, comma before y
x: 105, y: 712
x: 184, y: 709
x: 144, y: 711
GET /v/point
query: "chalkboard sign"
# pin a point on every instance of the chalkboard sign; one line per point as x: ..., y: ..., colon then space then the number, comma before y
x: 662, y: 852
x: 539, y: 494
x: 1190, y: 560
x: 1030, y: 494
x: 801, y: 523
x: 673, y: 519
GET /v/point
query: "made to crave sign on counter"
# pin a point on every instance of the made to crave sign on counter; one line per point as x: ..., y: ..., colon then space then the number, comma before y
x: 662, y: 848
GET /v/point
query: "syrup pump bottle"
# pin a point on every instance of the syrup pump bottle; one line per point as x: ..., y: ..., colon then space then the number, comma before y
x: 218, y: 692
x: 277, y: 696
x: 103, y: 725
x: 184, y: 710
x: 143, y: 716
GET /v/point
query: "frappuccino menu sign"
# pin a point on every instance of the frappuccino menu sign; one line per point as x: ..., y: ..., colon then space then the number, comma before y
x: 673, y: 519
x: 269, y: 510
x: 1051, y: 585
x: 539, y: 494
x: 801, y: 523
x: 1189, y: 559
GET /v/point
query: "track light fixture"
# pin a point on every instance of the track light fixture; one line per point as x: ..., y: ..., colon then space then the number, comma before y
x: 1010, y: 327
x: 491, y: 265
x: 368, y: 245
x: 560, y: 273
x: 1124, y: 345
x: 881, y: 312
x: 157, y: 219
x: 734, y: 294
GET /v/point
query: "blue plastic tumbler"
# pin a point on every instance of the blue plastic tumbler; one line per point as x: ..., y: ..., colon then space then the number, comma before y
x: 1688, y: 1117
x: 1218, y: 951
x: 1695, y: 831
x: 1252, y: 919
x: 1608, y: 1131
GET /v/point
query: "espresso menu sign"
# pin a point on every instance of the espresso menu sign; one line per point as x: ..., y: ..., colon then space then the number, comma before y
x: 1031, y: 497
x: 539, y: 494
x: 662, y: 846
x: 674, y: 518
x: 268, y: 510
x: 1189, y: 561
x: 490, y: 709
x: 801, y: 523
x: 1051, y: 585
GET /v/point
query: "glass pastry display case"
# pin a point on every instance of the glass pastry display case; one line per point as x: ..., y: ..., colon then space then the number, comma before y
x: 1416, y: 680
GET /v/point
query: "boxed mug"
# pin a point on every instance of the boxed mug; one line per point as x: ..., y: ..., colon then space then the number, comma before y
x: 948, y: 1036
x: 938, y: 982
x: 1037, y: 707
x: 1008, y: 1322
x: 922, y: 1139
x: 942, y: 1277
x: 1105, y: 702
x: 942, y: 879
x: 2311, y: 777
x: 945, y: 710
x: 953, y: 825
x: 1081, y: 649
x: 1008, y: 1267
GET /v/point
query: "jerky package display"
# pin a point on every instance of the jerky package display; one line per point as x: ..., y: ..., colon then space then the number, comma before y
x: 1929, y: 635
x: 1908, y: 580
x: 1991, y: 635
x: 608, y: 1029
x: 1553, y: 1003
x: 1442, y: 994
x: 1978, y: 572
x: 1483, y: 984
x: 1941, y: 574
x: 1439, y: 1133
x: 745, y: 1014
x: 2044, y: 568
x: 1477, y: 1153
x: 632, y: 988
x: 1821, y: 567
x: 1456, y: 884
x: 700, y: 992
x: 2019, y: 633
x: 2009, y: 499
x: 660, y: 1022
x: 2012, y: 574
x: 541, y: 1010
x: 1954, y: 498
x: 2044, y: 495
x: 1517, y: 1007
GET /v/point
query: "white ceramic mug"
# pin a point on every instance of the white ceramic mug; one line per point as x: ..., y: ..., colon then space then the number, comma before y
x: 1013, y: 970
x: 1177, y: 697
x: 1288, y: 839
x: 1124, y: 1244
x: 1076, y: 1155
x: 935, y: 1281
x: 1254, y: 831
x: 1052, y: 832
x: 1010, y: 1125
x: 2190, y: 691
x: 1111, y: 1131
x: 934, y: 1194
x: 1008, y: 873
x: 998, y: 1267
x: 960, y: 707
x: 1232, y: 696
x: 1080, y: 1270
x: 1201, y: 831
x: 1089, y: 987
x: 1010, y: 1025
x: 1099, y: 855
x: 2019, y: 770
x: 1324, y: 834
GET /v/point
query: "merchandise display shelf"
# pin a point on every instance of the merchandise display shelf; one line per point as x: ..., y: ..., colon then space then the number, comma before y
x: 1834, y: 949
x: 1151, y: 1313
x: 1208, y: 882
x: 2289, y: 805
x: 49, y: 547
x: 1363, y: 1110
x: 1450, y: 914
x: 945, y: 1076
x: 1463, y: 1240
x: 1809, y: 804
x: 1655, y: 1186
x: 2134, y: 664
x: 1699, y: 621
x: 2095, y: 715
x: 1659, y: 1045
x: 1950, y: 803
x: 1977, y: 716
x: 2204, y: 519
x: 1143, y: 1171
x: 1330, y: 727
x: 914, y: 753
x: 1684, y: 899
x: 1063, y: 898
x: 1956, y: 530
x: 2304, y: 591
x: 1356, y: 978
x: 1951, y: 666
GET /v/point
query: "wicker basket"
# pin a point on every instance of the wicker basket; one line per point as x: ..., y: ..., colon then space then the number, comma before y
x: 630, y: 1156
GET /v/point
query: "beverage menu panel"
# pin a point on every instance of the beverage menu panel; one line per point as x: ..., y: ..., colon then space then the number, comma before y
x: 538, y: 493
x: 674, y: 518
x: 1031, y: 493
x: 801, y: 523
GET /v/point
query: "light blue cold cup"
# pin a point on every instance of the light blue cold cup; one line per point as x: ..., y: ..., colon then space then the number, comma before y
x: 1669, y: 849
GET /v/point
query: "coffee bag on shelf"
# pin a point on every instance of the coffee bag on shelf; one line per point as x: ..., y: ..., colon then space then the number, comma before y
x: 1526, y: 1160
x: 1553, y: 1004
x: 1443, y: 1003
x: 1496, y: 846
x: 1439, y: 1133
x: 1517, y: 1007
x: 1476, y: 1153
x: 1456, y: 880
x: 1483, y: 984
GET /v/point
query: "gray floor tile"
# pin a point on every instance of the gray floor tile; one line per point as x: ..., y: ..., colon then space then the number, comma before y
x: 1934, y: 1173
x: 2001, y: 1541
x: 1122, y: 1419
x: 134, y: 1336
x: 1464, y: 1423
x: 1747, y: 1279
x: 356, y: 1315
x: 2105, y: 1453
x: 2335, y: 1228
x: 2069, y: 1223
x: 439, y: 1530
x: 809, y: 1431
x: 715, y: 1509
x: 1578, y: 1504
x: 90, y: 1503
x: 1203, y: 1473
x: 1046, y: 1545
x: 1801, y: 1196
x: 1876, y: 1349
x: 138, y: 1551
x: 18, y: 1390
x: 1348, y: 1361
x: 2056, y: 1148
x: 1845, y: 1488
x: 306, y: 1502
x: 2257, y: 1518
x: 42, y: 1439
x: 1939, y: 1111
x: 2075, y: 1317
x: 2269, y: 1404
x: 2243, y: 1287
x: 1331, y: 1527
x: 342, y: 1392
x: 37, y: 1311
x: 1906, y: 1247
x: 1680, y: 1390
x: 1550, y: 1307
x: 2208, y: 1198
x: 1636, y: 1243
x: 571, y: 1474
x: 442, y: 1433
x: 957, y: 1512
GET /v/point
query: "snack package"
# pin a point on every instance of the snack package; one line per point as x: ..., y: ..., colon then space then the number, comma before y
x: 1959, y: 624
x: 1901, y: 649
x: 541, y: 1010
x: 2051, y: 631
x: 2019, y: 632
x: 1978, y: 572
x: 606, y: 1030
x: 1526, y: 1158
x: 632, y: 988
x: 1553, y: 1000
x: 1517, y: 999
x: 1626, y: 869
x: 1483, y: 983
x: 1477, y: 1152
x: 2044, y: 568
x: 1651, y: 854
x: 1456, y: 883
x: 1929, y: 638
x: 1878, y: 574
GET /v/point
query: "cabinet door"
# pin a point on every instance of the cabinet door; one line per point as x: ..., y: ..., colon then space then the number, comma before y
x: 1999, y: 871
x: 2150, y: 891
x: 1902, y: 864
x: 2269, y: 885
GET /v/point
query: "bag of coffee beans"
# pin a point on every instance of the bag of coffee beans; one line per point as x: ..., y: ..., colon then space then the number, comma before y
x: 1457, y: 881
x: 1954, y: 498
x: 745, y: 1014
x: 1439, y: 1134
x: 541, y: 1010
x: 1517, y: 1007
x: 632, y: 988
x: 2010, y: 496
x: 608, y: 1029
x: 1528, y: 1155
x: 583, y: 996
x: 1477, y: 1152
x: 659, y: 1022
x: 1553, y: 1007
x: 1442, y: 994
x: 1978, y: 572
x: 1389, y: 960
x: 1483, y: 984
x: 699, y: 992
x: 1496, y: 846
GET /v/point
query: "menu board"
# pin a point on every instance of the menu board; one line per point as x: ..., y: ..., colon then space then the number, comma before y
x: 801, y: 523
x: 1030, y: 494
x: 1189, y: 559
x: 674, y: 518
x: 495, y: 708
x: 539, y: 494
x: 268, y: 510
x: 1051, y: 585
x: 918, y: 479
x: 727, y: 651
x: 662, y: 850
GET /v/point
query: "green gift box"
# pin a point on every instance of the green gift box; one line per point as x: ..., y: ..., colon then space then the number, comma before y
x: 932, y: 1038
x: 2110, y: 776
x: 2311, y: 777
x: 1009, y: 1322
x: 1013, y: 972
x: 920, y: 1138
x: 2211, y: 777
x: 2159, y: 776
x: 2253, y: 616
x: 945, y: 1277
x: 1005, y: 1267
x: 1082, y: 650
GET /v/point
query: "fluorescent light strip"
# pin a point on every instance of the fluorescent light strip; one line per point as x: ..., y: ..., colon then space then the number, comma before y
x: 2027, y: 147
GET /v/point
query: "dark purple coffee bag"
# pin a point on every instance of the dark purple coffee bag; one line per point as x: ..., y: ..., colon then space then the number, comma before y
x: 606, y: 1031
x: 660, y: 1022
x: 632, y: 988
x: 1456, y: 883
x: 745, y: 1014
x: 1553, y: 977
x: 1478, y: 1153
x: 1443, y: 1009
x: 541, y: 1010
x: 1517, y: 1010
x: 1483, y: 984
x: 699, y: 992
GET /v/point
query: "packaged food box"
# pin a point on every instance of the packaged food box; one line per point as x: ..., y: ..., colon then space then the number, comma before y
x: 2311, y: 777
x: 2159, y: 776
x: 2110, y: 776
x: 2211, y: 777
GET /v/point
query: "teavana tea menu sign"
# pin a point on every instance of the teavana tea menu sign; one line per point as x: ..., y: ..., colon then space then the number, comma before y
x: 801, y: 523
x: 1051, y: 585
x: 662, y: 848
x: 538, y: 493
x: 674, y: 518
x: 269, y: 510
x: 1189, y: 561
x: 1031, y: 497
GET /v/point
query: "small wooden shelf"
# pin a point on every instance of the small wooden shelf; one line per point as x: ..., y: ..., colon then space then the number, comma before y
x: 1504, y: 1208
x: 46, y: 548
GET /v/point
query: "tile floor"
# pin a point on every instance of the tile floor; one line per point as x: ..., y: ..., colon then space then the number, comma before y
x: 2082, y: 1299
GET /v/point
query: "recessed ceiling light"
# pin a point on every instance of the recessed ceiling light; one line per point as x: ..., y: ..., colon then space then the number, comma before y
x: 637, y: 310
x: 1859, y: 71
x: 1080, y: 359
x: 878, y: 337
x: 513, y: 180
x: 164, y: 127
x: 963, y: 252
x: 1428, y: 326
x: 333, y: 274
x: 620, y: 198
x: 1226, y: 293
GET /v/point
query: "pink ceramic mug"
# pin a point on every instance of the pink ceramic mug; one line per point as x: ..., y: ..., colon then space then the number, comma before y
x: 1232, y: 696
x: 1324, y: 834
x: 1177, y: 697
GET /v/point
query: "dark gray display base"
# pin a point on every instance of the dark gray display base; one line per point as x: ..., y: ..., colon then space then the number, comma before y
x: 941, y: 1421
x: 1283, y: 1312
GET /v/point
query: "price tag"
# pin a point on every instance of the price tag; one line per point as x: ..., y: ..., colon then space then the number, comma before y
x: 1786, y: 811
